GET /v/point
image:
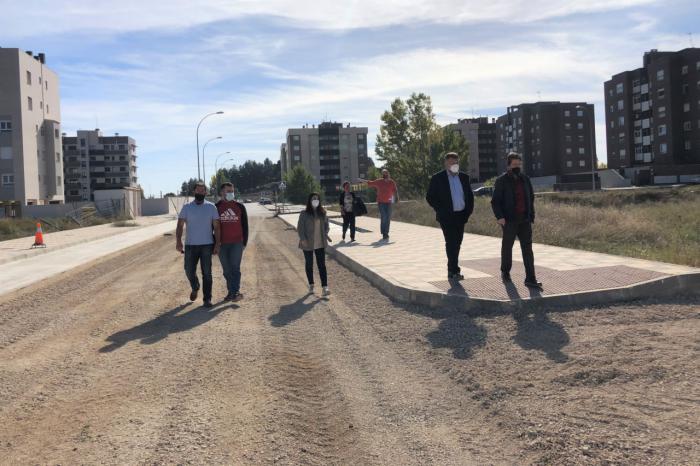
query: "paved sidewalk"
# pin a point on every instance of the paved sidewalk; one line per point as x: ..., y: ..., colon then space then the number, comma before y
x: 412, y: 266
x: 21, y: 273
x: 20, y: 248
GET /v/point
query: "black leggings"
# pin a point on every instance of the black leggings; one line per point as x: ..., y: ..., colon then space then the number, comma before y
x: 320, y: 261
x: 349, y: 221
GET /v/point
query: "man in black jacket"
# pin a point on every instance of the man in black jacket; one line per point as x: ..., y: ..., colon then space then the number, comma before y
x: 451, y: 196
x: 513, y: 204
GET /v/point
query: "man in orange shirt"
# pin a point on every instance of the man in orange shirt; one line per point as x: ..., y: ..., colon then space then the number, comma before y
x: 387, y: 195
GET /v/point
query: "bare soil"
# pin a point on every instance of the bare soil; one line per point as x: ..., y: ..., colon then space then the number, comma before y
x: 111, y: 364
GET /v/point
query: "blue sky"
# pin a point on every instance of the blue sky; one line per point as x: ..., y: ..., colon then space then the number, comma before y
x: 151, y: 69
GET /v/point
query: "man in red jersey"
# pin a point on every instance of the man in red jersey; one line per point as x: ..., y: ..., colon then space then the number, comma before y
x: 233, y: 219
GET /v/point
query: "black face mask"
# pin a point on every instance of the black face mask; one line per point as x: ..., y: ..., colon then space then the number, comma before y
x: 199, y: 198
x: 515, y: 171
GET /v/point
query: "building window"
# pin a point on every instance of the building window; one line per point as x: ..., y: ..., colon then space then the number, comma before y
x: 612, y: 124
x: 684, y: 89
x: 697, y: 66
x: 567, y: 138
x: 686, y: 107
x: 58, y: 180
x: 684, y: 69
x: 568, y: 151
x: 581, y: 151
x: 8, y: 179
x: 47, y: 108
x: 612, y: 108
x: 660, y: 75
x: 663, y: 148
x: 46, y: 85
x: 687, y: 126
x: 5, y: 126
x: 635, y: 83
x: 30, y: 104
x: 660, y: 93
x: 567, y: 125
x: 567, y: 113
x: 620, y: 105
x: 5, y: 152
x: 687, y: 145
x: 579, y: 113
x: 41, y: 104
x: 29, y: 78
x: 569, y: 164
x: 579, y: 125
x: 581, y: 163
x: 620, y: 87
x: 662, y: 130
x: 623, y: 153
x: 58, y: 157
x: 621, y: 121
x: 662, y: 112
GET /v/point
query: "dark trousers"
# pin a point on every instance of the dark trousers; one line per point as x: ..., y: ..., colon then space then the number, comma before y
x: 230, y: 256
x: 523, y: 231
x: 349, y: 221
x: 453, y: 230
x: 202, y: 254
x: 320, y: 261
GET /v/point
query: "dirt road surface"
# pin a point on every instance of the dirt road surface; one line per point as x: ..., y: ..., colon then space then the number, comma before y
x: 111, y: 364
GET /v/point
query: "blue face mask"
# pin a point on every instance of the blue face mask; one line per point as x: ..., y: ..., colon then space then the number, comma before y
x: 230, y: 196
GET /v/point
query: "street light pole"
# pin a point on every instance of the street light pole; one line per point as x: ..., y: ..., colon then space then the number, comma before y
x: 199, y: 177
x: 204, y: 174
x: 217, y: 160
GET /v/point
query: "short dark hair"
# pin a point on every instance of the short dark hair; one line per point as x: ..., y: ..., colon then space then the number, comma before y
x: 198, y: 184
x: 452, y: 155
x: 225, y: 185
x: 513, y: 156
x: 346, y: 183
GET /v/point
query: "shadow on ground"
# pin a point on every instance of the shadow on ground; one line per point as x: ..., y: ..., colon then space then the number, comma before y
x: 291, y: 312
x: 160, y: 327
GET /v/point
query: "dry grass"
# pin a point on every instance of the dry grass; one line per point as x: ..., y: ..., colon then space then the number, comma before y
x: 11, y: 228
x: 654, y: 224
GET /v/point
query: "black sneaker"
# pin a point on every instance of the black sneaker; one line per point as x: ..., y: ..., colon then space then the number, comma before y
x: 455, y: 276
x: 207, y: 303
x: 533, y: 283
x: 193, y: 295
x: 505, y: 276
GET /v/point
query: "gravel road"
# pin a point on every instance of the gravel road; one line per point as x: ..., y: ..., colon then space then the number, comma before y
x: 111, y: 364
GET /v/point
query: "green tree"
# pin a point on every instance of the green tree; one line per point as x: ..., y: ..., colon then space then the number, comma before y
x: 411, y: 144
x: 490, y: 182
x: 300, y: 183
x: 187, y: 188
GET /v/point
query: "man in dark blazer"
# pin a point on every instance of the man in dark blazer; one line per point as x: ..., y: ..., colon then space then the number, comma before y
x: 513, y: 204
x: 451, y: 196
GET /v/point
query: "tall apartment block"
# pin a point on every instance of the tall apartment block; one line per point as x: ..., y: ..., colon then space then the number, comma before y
x: 94, y: 162
x: 555, y: 139
x: 31, y: 159
x: 652, y: 118
x: 331, y: 152
x: 481, y: 137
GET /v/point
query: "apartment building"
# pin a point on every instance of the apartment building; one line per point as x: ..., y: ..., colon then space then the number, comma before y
x: 480, y: 134
x: 31, y: 158
x: 95, y: 162
x: 652, y: 118
x: 555, y: 139
x: 331, y: 152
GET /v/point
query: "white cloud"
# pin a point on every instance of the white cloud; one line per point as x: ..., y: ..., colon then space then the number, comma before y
x: 23, y: 19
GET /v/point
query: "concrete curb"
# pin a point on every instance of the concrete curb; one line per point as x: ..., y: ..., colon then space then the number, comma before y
x: 661, y: 287
x: 38, y: 251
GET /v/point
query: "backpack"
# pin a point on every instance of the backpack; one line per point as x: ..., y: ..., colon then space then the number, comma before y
x: 358, y: 207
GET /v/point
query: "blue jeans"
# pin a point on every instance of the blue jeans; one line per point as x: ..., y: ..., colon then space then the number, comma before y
x: 385, y: 214
x: 199, y: 253
x: 230, y: 255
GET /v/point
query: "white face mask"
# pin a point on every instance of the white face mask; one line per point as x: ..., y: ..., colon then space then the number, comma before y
x: 315, y: 203
x: 230, y: 196
x: 454, y: 168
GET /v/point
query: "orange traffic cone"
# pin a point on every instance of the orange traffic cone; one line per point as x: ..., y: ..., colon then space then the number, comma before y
x: 39, y: 237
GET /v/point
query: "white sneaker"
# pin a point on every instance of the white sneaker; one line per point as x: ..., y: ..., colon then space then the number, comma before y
x: 311, y: 288
x: 326, y: 291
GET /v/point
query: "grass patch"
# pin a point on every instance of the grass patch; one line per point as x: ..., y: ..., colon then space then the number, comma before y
x: 653, y: 224
x: 11, y: 228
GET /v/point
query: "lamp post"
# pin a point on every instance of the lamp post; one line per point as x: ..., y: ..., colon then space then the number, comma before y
x: 204, y: 174
x: 217, y: 160
x: 198, y: 125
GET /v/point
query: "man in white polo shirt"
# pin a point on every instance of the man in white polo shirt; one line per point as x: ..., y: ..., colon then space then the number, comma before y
x: 203, y: 240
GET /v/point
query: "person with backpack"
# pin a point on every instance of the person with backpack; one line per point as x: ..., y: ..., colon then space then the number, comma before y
x: 233, y: 221
x: 313, y: 228
x: 348, y: 208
